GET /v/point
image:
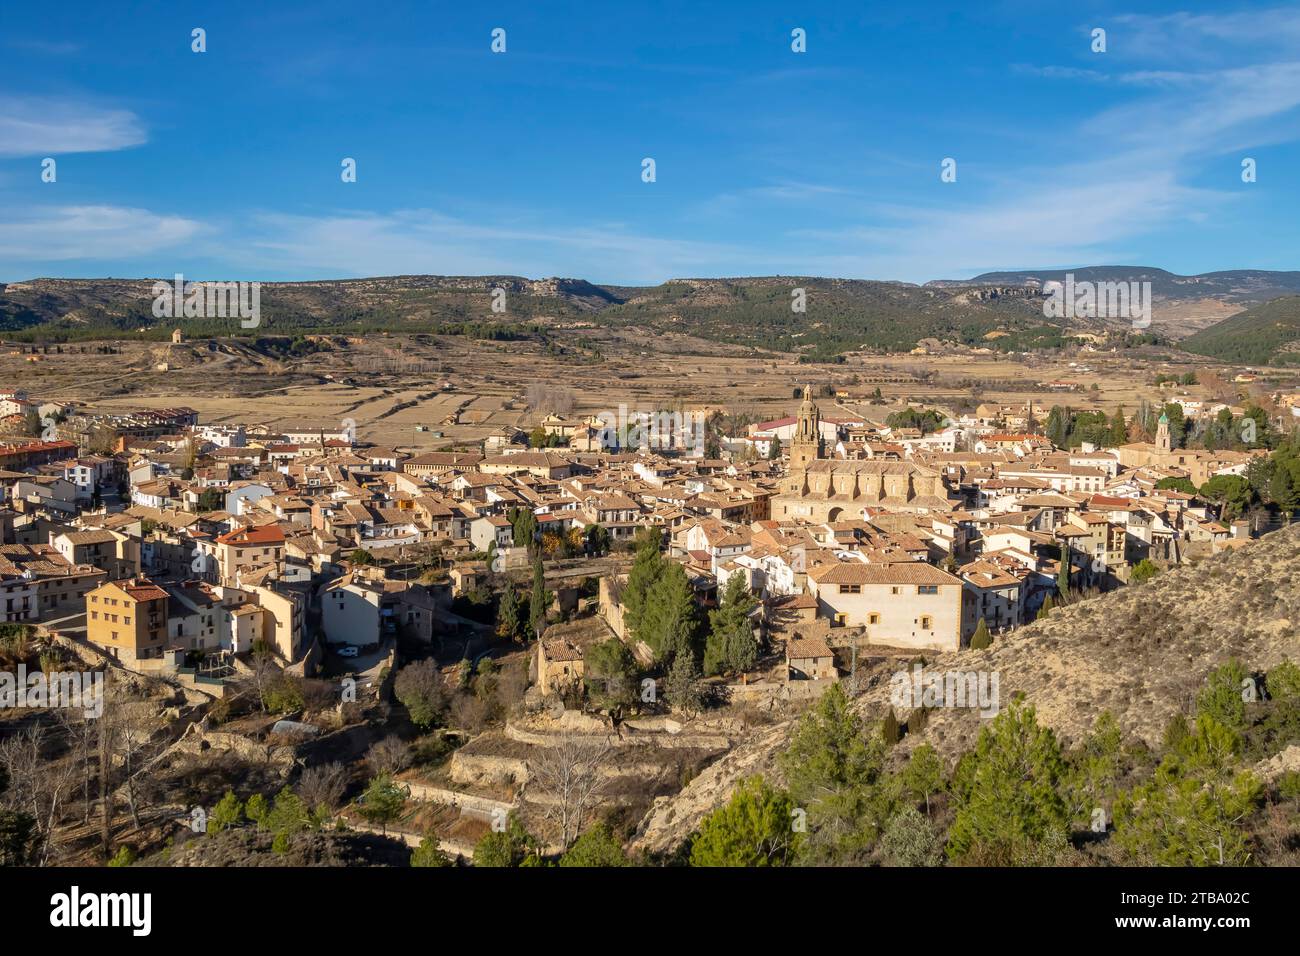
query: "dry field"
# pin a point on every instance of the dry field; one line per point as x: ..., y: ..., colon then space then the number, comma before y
x: 467, y: 389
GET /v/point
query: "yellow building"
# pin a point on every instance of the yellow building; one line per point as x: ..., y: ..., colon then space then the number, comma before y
x: 127, y: 619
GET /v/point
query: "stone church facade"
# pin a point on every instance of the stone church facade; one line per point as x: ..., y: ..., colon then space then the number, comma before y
x: 819, y: 489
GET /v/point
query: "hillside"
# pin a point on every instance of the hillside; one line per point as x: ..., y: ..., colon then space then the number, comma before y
x: 1000, y: 310
x: 1140, y: 652
x: 841, y: 314
x: 1240, y: 285
x: 1267, y: 334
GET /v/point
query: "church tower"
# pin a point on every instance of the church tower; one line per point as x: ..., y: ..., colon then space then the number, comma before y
x: 1163, y: 443
x: 806, y: 446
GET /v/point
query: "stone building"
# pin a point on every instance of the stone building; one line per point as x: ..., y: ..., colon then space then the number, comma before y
x: 819, y: 489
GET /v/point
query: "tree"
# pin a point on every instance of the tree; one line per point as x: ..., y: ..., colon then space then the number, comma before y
x: 510, y: 846
x: 1192, y: 811
x: 683, y: 688
x: 754, y: 828
x: 428, y: 853
x: 833, y: 769
x: 257, y: 810
x: 1118, y: 429
x: 568, y: 774
x: 389, y: 755
x: 383, y: 802
x: 670, y: 620
x: 1223, y: 696
x: 509, y: 617
x: 981, y: 638
x: 773, y: 448
x: 1182, y: 485
x: 1063, y: 572
x: 422, y: 691
x: 610, y: 673
x: 537, y: 600
x: 19, y: 838
x: 1143, y: 571
x: 1008, y: 802
x: 910, y: 839
x: 890, y: 732
x: 924, y: 775
x: 731, y: 646
x: 1230, y: 492
x: 524, y: 524
x: 598, y: 847
x: 647, y: 567
x: 229, y: 812
x: 323, y: 786
x: 360, y: 556
x: 1282, y: 491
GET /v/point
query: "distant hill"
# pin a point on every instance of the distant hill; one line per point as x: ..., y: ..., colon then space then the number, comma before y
x: 999, y: 310
x: 1239, y: 285
x: 1267, y: 334
x: 840, y: 315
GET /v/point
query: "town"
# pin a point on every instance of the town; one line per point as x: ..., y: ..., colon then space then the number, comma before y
x: 608, y: 599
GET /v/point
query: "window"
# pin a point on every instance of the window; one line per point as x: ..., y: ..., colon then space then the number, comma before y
x: 873, y: 618
x: 850, y: 588
x: 894, y: 589
x: 926, y: 622
x: 927, y: 589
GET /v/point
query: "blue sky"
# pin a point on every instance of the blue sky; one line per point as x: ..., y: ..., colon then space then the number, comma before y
x: 226, y: 164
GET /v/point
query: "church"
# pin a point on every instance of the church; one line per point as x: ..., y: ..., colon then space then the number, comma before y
x: 819, y: 489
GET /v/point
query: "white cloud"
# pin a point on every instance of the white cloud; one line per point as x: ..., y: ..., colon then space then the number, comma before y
x: 90, y: 232
x: 46, y: 126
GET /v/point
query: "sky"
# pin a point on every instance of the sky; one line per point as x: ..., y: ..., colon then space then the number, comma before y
x: 227, y: 164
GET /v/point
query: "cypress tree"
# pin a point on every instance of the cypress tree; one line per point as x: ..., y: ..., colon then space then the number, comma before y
x: 981, y: 638
x: 537, y: 603
x: 889, y: 728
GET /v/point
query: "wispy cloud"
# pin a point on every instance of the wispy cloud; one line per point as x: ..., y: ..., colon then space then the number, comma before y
x: 427, y: 241
x: 45, y: 126
x: 108, y: 233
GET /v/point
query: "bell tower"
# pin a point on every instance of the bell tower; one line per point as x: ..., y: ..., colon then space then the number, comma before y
x: 1163, y: 442
x: 806, y: 446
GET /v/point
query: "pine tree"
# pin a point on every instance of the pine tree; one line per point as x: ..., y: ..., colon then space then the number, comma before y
x: 924, y: 774
x: 670, y: 620
x: 646, y: 569
x: 731, y: 646
x: 981, y: 638
x: 1009, y: 807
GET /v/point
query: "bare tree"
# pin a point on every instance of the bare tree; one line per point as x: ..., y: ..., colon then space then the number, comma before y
x: 323, y: 784
x: 83, y: 736
x: 388, y: 756
x: 570, y: 779
x: 39, y: 783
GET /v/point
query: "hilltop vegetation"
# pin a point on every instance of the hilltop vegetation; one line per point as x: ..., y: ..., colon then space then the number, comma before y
x: 1267, y: 334
x: 838, y: 315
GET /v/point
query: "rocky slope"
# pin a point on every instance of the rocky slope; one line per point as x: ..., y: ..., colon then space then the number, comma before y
x: 1140, y: 652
